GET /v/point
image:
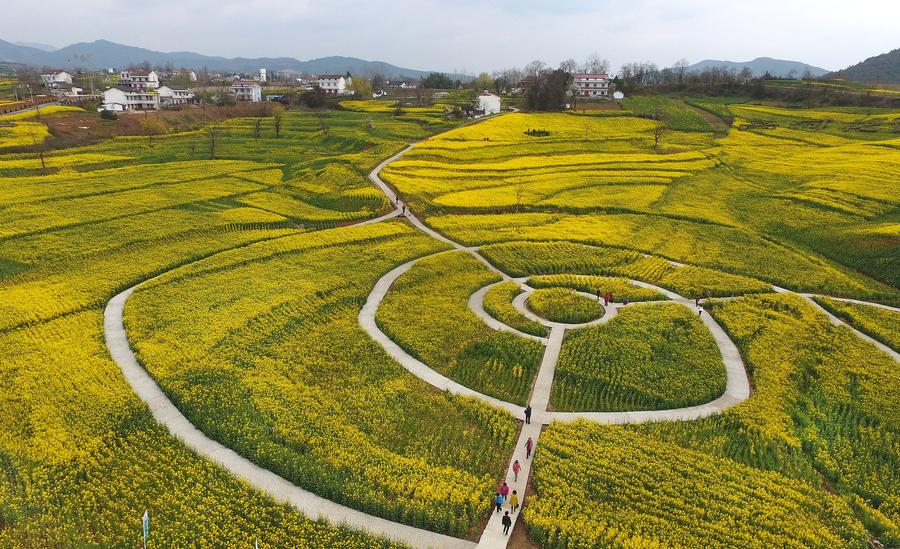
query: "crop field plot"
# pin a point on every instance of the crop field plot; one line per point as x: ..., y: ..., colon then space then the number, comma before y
x: 590, y: 266
x: 647, y: 358
x: 427, y: 314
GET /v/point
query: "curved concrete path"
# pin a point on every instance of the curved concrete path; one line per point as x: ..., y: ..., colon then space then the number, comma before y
x: 264, y: 480
x: 412, y: 364
x: 165, y: 412
x: 476, y: 305
x: 835, y: 321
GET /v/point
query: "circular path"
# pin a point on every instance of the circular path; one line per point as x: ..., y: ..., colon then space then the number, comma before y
x: 165, y: 412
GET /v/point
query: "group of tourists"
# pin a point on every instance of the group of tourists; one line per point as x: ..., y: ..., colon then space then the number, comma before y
x: 607, y: 297
x: 505, y: 494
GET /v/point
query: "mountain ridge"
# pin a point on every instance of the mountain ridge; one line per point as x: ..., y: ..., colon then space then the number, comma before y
x: 102, y: 53
x: 878, y: 68
x: 760, y: 66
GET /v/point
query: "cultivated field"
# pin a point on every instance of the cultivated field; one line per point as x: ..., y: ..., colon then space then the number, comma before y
x: 663, y: 308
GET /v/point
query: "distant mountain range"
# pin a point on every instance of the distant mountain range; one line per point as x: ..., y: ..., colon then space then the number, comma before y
x: 761, y: 66
x: 101, y: 54
x: 881, y: 68
x: 38, y: 45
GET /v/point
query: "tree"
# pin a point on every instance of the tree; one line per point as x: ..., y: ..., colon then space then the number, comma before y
x: 361, y: 88
x: 569, y: 65
x: 520, y: 193
x: 483, y: 82
x: 277, y: 117
x: 659, y: 128
x: 595, y: 64
x: 152, y: 125
x: 256, y: 125
x: 679, y: 68
x: 534, y: 68
x: 549, y: 91
x: 212, y: 135
x: 437, y: 80
x: 378, y: 81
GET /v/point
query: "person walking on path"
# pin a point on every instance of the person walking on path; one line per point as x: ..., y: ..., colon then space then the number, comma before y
x: 606, y: 297
x: 528, y: 413
x: 504, y: 491
x: 514, y: 501
x: 697, y: 301
x: 611, y: 299
x: 498, y: 502
x: 598, y: 296
x: 516, y: 468
x: 624, y: 302
x: 507, y: 523
x: 529, y: 446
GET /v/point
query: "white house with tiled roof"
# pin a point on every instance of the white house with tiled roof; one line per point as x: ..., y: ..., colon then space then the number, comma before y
x: 592, y: 84
x: 335, y: 84
x: 173, y: 95
x: 139, y: 79
x: 488, y: 102
x: 61, y: 77
x: 126, y: 98
x: 247, y: 90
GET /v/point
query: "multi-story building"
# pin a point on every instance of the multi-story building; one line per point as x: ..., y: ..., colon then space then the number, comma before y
x: 333, y: 83
x: 246, y: 90
x: 593, y: 84
x: 170, y: 95
x: 139, y: 79
x: 124, y: 98
x: 61, y: 77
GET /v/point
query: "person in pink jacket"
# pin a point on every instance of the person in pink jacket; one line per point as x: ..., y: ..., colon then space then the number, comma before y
x: 504, y: 491
x: 516, y: 468
x: 529, y: 446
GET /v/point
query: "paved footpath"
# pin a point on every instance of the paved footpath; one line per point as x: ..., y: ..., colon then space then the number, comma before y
x: 262, y: 479
x: 165, y: 412
x: 835, y: 321
x: 493, y: 536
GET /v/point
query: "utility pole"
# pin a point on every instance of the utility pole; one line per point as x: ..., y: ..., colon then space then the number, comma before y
x: 33, y: 104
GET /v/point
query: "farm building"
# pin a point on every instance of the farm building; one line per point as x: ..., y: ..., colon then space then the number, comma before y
x: 488, y: 103
x: 139, y: 79
x: 169, y: 95
x: 333, y: 83
x: 246, y: 90
x: 56, y: 78
x: 594, y: 84
x: 124, y: 98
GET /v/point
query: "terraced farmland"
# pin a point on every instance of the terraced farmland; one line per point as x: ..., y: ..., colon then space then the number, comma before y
x: 286, y: 340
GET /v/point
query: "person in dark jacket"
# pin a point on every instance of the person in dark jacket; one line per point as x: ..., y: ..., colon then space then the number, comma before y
x: 507, y: 522
x: 528, y: 413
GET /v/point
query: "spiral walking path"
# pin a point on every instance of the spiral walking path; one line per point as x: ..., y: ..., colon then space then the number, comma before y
x: 280, y: 489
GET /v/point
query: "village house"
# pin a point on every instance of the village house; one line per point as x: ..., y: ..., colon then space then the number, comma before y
x: 246, y: 90
x: 488, y: 103
x: 62, y: 89
x: 594, y: 84
x: 171, y: 95
x: 333, y: 83
x: 124, y: 98
x: 139, y: 79
x: 61, y: 77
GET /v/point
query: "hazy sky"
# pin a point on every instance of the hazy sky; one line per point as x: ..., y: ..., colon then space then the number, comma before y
x: 473, y: 35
